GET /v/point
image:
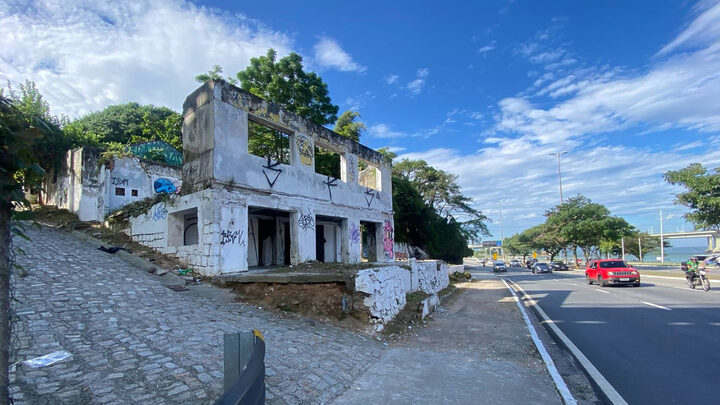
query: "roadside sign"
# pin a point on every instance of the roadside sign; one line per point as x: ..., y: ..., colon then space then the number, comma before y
x: 534, y: 255
x: 494, y: 256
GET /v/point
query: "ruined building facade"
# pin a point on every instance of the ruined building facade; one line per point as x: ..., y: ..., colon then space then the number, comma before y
x: 237, y: 210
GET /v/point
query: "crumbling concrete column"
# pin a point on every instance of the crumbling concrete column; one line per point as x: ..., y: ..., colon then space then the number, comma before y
x: 233, y: 238
x: 349, y: 168
x: 302, y: 236
x: 350, y: 241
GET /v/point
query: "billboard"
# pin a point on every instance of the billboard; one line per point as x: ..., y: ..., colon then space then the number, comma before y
x: 491, y: 243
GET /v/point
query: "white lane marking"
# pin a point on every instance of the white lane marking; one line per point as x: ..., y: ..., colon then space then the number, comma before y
x: 600, y: 380
x: 549, y: 364
x: 656, y: 306
x: 603, y: 291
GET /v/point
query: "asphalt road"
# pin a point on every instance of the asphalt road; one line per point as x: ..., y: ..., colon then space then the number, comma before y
x: 656, y: 344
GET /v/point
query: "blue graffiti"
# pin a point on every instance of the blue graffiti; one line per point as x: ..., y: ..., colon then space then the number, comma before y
x: 164, y: 186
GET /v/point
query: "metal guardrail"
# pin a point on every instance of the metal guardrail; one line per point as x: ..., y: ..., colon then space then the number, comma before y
x: 244, y: 369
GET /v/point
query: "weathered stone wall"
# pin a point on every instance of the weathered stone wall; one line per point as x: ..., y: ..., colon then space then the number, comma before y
x: 432, y: 275
x: 455, y: 268
x: 387, y: 287
x: 386, y: 291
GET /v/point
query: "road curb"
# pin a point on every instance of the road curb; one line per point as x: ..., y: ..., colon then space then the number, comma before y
x: 604, y: 388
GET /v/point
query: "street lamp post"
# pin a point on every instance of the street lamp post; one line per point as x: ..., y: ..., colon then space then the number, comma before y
x: 558, y: 154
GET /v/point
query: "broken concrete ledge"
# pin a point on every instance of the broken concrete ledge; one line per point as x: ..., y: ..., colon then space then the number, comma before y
x: 283, y: 278
x: 428, y: 305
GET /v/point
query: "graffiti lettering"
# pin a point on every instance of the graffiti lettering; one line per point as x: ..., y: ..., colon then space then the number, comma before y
x: 354, y: 234
x: 119, y: 181
x: 388, y: 240
x: 272, y: 167
x: 401, y: 255
x: 163, y: 185
x: 330, y: 183
x: 159, y: 212
x: 306, y: 221
x: 232, y: 237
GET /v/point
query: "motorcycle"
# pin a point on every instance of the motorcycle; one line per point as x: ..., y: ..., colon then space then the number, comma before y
x: 699, y: 279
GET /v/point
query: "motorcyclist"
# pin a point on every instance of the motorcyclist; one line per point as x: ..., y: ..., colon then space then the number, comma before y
x: 692, y: 268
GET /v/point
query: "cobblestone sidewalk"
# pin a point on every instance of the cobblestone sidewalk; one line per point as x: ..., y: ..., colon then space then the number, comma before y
x: 134, y: 340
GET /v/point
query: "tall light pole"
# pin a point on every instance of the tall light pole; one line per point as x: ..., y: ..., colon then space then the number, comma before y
x: 558, y: 154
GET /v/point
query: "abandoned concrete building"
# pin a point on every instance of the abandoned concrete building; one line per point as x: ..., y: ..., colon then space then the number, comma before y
x: 237, y: 210
x: 91, y: 187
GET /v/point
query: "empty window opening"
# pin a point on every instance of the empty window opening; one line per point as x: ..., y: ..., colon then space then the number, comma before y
x: 134, y: 193
x: 119, y: 191
x: 183, y: 228
x: 190, y: 232
x: 268, y: 237
x: 268, y: 142
x: 368, y: 241
x: 369, y: 176
x: 327, y: 162
x: 327, y: 239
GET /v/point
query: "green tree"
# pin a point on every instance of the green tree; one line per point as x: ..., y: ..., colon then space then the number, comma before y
x: 518, y: 245
x: 547, y: 237
x: 348, y: 127
x: 702, y: 194
x: 49, y: 150
x: 586, y: 224
x: 440, y: 191
x: 214, y: 74
x: 285, y: 82
x: 19, y: 170
x: 127, y: 123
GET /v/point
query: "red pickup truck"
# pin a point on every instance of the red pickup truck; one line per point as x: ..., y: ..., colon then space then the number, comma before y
x: 611, y: 272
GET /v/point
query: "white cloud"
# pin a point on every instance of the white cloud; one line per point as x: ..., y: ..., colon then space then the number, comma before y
x: 85, y: 55
x: 392, y: 79
x: 385, y: 131
x: 329, y: 54
x: 702, y: 31
x: 679, y: 92
x: 487, y: 48
x: 416, y: 86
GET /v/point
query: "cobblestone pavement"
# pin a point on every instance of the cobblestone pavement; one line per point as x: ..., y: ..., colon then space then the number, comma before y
x: 134, y: 340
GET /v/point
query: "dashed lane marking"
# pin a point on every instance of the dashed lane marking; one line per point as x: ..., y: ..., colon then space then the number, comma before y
x: 656, y: 306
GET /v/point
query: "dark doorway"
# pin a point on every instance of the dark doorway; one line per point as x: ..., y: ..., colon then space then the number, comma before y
x: 368, y: 248
x: 320, y: 243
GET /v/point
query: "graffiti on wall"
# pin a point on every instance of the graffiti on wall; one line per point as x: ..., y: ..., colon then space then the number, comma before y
x: 330, y: 182
x: 306, y: 221
x: 158, y: 151
x: 158, y: 213
x: 274, y: 171
x: 371, y: 195
x: 305, y: 150
x: 388, y: 240
x: 119, y: 181
x: 228, y: 237
x: 354, y: 234
x: 163, y: 185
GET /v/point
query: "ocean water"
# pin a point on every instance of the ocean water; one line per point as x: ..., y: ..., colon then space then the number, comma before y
x: 672, y: 254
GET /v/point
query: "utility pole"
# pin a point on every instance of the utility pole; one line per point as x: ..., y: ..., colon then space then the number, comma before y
x: 640, y: 249
x: 662, y: 242
x: 623, y: 248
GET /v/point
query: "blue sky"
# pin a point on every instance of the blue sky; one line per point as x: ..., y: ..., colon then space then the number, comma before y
x: 485, y: 91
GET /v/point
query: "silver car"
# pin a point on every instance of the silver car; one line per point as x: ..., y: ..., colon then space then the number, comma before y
x: 499, y: 265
